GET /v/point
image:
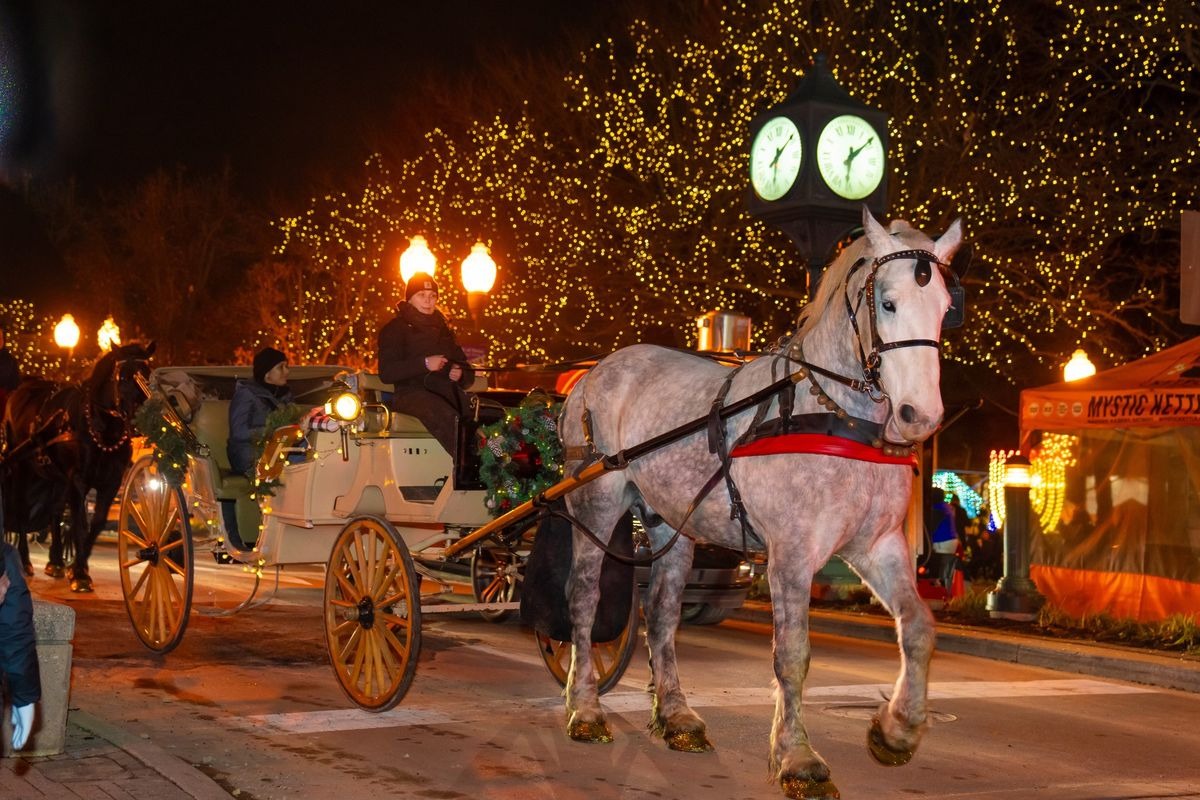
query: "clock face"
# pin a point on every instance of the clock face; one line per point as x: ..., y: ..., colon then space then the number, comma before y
x: 850, y: 157
x: 775, y: 158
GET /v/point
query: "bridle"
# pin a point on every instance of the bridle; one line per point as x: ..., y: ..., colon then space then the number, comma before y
x: 870, y: 362
x: 115, y: 412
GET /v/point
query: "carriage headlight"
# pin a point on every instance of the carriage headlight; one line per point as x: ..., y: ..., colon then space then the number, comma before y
x: 346, y: 407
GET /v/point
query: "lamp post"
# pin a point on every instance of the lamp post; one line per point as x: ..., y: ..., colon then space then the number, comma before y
x: 1016, y: 595
x: 1080, y: 366
x: 478, y: 277
x: 66, y: 335
x: 417, y: 258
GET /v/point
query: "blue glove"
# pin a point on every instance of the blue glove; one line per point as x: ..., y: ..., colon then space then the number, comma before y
x: 22, y: 723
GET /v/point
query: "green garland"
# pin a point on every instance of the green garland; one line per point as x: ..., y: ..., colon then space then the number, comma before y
x: 166, y: 437
x: 521, y: 456
x: 289, y: 414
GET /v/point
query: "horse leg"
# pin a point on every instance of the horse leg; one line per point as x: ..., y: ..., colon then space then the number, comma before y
x: 56, y: 565
x: 670, y: 715
x: 81, y: 579
x: 585, y: 718
x: 801, y: 772
x: 897, y: 728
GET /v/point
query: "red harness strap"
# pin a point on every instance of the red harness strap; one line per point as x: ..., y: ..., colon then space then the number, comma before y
x: 818, y: 444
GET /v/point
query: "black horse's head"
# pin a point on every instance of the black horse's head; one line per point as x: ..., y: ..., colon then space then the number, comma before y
x: 114, y: 380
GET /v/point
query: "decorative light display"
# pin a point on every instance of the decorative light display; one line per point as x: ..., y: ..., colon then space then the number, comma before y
x: 951, y: 483
x: 1047, y: 479
x: 617, y: 200
x: 1050, y: 462
x: 29, y: 336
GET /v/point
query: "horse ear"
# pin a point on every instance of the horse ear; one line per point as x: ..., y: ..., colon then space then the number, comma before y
x: 150, y: 348
x: 946, y: 244
x: 880, y: 241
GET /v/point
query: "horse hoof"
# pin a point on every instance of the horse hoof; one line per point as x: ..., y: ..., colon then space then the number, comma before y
x: 807, y: 789
x: 81, y: 585
x: 590, y: 731
x: 688, y: 741
x: 879, y: 749
x: 55, y: 570
x: 28, y: 570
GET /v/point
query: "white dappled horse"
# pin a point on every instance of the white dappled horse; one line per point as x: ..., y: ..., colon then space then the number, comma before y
x: 865, y: 361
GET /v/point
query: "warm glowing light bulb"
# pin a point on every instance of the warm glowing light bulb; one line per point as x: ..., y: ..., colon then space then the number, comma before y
x: 478, y: 270
x: 1080, y: 366
x: 417, y: 258
x: 66, y: 332
x: 109, y: 335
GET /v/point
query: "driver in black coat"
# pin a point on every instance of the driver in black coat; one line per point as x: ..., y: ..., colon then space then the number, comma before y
x: 419, y: 355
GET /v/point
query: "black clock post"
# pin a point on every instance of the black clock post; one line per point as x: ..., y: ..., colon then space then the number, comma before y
x: 842, y: 166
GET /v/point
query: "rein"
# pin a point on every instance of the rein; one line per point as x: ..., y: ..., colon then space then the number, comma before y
x: 91, y: 400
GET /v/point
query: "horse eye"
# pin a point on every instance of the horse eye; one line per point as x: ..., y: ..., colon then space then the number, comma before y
x: 889, y: 306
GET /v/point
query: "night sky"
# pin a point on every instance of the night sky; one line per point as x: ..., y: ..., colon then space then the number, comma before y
x: 289, y: 95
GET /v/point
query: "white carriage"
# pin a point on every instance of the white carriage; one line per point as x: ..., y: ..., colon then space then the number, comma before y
x: 369, y: 493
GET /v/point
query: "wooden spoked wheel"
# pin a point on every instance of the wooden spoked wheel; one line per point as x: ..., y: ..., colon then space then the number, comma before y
x: 372, y: 614
x: 610, y: 659
x: 154, y: 554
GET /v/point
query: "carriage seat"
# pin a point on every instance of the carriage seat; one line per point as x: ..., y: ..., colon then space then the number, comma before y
x: 210, y: 423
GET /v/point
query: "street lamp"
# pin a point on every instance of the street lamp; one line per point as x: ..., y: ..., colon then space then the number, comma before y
x: 66, y: 336
x: 1016, y: 596
x: 109, y: 335
x: 417, y: 258
x: 478, y: 277
x: 1080, y: 366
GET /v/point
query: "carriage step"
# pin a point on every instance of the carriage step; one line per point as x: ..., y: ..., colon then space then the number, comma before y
x: 420, y: 494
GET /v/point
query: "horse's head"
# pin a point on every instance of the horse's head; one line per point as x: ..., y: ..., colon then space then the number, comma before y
x: 902, y: 288
x: 115, y: 378
x: 888, y: 291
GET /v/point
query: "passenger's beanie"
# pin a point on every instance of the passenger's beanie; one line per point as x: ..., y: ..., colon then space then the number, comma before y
x: 419, y: 282
x: 265, y: 360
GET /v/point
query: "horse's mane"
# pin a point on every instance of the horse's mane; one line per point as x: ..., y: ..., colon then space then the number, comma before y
x: 835, y: 274
x: 103, y: 369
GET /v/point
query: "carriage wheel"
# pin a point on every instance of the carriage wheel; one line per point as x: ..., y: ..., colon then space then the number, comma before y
x: 372, y: 614
x: 611, y: 659
x: 154, y: 554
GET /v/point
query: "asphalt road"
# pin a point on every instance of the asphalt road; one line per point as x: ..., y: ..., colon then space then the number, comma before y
x: 250, y: 699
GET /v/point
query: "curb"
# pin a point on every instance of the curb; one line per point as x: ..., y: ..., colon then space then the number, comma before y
x: 174, y: 769
x: 1080, y: 657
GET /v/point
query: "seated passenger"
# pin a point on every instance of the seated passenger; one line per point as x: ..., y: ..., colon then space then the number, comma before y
x: 252, y: 402
x: 419, y: 355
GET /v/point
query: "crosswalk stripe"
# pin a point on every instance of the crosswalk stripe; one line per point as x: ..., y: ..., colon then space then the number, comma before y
x: 637, y: 701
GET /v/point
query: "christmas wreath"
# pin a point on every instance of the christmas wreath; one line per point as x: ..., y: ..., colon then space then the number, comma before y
x: 521, y: 456
x: 165, y: 435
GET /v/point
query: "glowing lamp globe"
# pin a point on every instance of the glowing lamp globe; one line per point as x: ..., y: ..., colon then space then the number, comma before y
x: 66, y: 332
x: 478, y: 270
x: 1017, y: 471
x: 1080, y: 366
x: 417, y: 258
x: 109, y: 335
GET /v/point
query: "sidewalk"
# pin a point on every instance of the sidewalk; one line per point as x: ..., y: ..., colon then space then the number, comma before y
x: 103, y: 761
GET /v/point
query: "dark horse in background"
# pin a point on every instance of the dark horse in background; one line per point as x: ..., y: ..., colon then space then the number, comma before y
x: 65, y: 440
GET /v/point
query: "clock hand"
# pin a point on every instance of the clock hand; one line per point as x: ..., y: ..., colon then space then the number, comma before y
x: 854, y: 151
x: 779, y: 150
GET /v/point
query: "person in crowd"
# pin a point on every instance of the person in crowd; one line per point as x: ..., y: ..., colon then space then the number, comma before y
x: 420, y: 357
x: 945, y: 539
x: 10, y: 372
x: 253, y: 400
x: 18, y: 644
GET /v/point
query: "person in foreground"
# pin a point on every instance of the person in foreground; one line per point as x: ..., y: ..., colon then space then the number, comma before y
x: 419, y: 355
x: 18, y: 646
